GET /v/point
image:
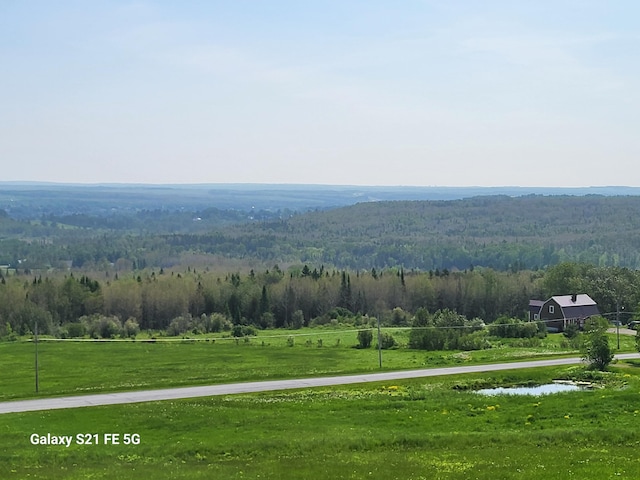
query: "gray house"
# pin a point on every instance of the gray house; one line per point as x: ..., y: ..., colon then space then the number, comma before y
x: 534, y: 310
x: 561, y: 310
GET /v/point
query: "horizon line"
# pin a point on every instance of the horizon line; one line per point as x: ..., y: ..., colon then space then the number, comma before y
x: 330, y: 185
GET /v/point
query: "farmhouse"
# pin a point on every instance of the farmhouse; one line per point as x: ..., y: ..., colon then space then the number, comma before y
x: 561, y: 310
x: 534, y: 310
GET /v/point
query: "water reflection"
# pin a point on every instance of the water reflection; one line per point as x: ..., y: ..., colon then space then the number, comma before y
x: 539, y: 390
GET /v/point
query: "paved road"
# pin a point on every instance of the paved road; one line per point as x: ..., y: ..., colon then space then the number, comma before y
x: 623, y: 331
x: 250, y: 387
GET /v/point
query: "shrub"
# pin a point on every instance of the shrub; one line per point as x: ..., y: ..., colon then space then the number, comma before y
x: 339, y: 312
x: 243, y: 331
x: 432, y: 338
x: 474, y: 341
x: 297, y: 319
x: 505, y: 327
x: 571, y: 331
x: 595, y: 346
x: 387, y: 341
x: 429, y: 338
x: 180, y: 325
x: 109, y: 327
x: 267, y: 320
x: 218, y: 322
x: 10, y: 334
x: 130, y: 328
x: 75, y: 330
x: 98, y: 326
x: 365, y: 337
x: 399, y: 317
x: 321, y: 320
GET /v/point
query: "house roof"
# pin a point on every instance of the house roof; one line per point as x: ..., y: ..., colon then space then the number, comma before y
x: 536, y: 303
x: 579, y: 300
x: 576, y: 306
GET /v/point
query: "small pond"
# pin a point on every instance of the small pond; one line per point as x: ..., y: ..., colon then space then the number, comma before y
x: 539, y: 390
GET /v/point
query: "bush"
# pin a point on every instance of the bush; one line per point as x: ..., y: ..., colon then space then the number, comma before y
x: 429, y: 338
x: 130, y: 328
x: 365, y: 337
x: 474, y: 341
x: 399, y: 317
x: 387, y: 341
x: 321, y: 320
x: 297, y: 319
x: 595, y: 346
x: 218, y: 322
x: 339, y: 312
x: 243, y: 331
x: 98, y: 326
x: 9, y: 334
x: 75, y: 330
x: 267, y: 320
x: 432, y: 338
x: 571, y: 331
x: 180, y: 325
x: 505, y: 327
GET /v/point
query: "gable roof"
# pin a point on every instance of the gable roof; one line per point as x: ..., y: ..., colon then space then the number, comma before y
x: 579, y: 300
x: 575, y: 306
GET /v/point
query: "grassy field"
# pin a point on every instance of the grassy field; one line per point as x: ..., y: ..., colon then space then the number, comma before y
x: 434, y: 428
x: 74, y: 368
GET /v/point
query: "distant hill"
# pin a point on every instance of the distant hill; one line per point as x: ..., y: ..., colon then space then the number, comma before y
x: 496, y: 231
x: 96, y: 226
x: 33, y: 200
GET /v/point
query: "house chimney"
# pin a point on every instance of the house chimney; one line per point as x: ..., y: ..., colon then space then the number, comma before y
x: 574, y: 297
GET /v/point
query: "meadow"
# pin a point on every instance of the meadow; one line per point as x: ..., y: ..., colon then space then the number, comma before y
x: 430, y: 428
x: 75, y: 368
x: 70, y: 368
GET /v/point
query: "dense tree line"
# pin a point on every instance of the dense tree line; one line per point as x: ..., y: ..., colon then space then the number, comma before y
x: 502, y: 233
x: 207, y: 301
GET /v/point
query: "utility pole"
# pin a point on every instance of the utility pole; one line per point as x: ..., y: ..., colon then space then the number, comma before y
x: 379, y: 344
x: 618, y: 322
x: 36, y: 342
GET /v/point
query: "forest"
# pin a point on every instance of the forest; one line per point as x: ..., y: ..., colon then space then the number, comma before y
x: 193, y: 301
x: 106, y: 272
x: 499, y: 232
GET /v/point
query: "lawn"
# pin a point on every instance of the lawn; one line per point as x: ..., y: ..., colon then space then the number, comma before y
x: 73, y: 368
x: 430, y: 428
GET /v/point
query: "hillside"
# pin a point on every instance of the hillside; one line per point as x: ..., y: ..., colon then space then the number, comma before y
x: 35, y: 200
x: 502, y: 232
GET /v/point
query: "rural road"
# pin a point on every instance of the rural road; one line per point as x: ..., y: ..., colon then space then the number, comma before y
x: 251, y: 387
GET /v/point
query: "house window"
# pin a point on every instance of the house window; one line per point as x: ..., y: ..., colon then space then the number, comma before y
x: 551, y: 309
x: 536, y: 316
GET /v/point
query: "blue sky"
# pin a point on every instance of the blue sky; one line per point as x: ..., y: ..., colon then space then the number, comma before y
x: 429, y: 92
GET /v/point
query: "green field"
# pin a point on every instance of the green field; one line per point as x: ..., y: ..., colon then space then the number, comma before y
x: 419, y: 429
x: 429, y: 428
x: 75, y: 368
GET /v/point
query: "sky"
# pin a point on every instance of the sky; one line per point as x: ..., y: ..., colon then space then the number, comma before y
x: 344, y: 92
